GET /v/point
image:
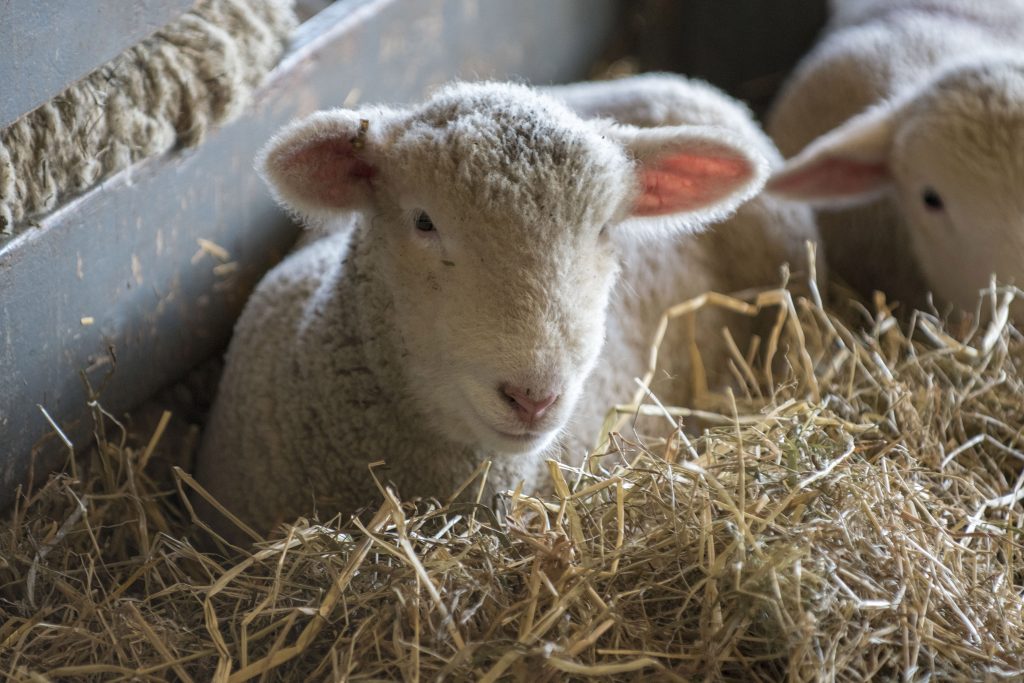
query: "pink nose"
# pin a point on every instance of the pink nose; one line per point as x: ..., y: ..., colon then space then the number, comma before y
x: 528, y: 409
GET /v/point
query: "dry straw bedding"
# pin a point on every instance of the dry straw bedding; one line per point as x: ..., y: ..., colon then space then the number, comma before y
x: 855, y: 517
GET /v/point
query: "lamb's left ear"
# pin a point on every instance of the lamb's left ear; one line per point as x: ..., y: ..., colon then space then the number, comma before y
x: 691, y: 175
x: 849, y: 165
x: 325, y: 163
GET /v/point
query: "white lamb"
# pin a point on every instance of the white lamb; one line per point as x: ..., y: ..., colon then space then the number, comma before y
x: 459, y: 319
x: 910, y: 118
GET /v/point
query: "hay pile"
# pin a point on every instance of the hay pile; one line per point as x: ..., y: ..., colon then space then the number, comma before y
x: 855, y: 517
x: 168, y: 90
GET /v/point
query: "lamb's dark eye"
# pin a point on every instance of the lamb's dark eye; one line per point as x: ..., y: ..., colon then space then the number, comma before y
x: 423, y: 222
x: 932, y: 200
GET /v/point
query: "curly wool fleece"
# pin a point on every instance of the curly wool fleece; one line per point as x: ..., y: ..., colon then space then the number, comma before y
x: 168, y: 90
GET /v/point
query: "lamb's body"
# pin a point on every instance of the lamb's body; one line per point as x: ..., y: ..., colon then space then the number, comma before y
x: 743, y: 252
x: 317, y: 383
x: 903, y: 56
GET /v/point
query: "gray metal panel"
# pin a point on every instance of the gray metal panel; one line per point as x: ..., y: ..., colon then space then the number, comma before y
x: 45, y: 45
x: 121, y: 257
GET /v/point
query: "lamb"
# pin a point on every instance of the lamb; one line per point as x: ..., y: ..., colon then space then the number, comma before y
x: 907, y: 126
x: 458, y: 320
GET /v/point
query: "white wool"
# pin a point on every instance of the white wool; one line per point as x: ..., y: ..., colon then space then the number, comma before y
x: 664, y: 99
x: 388, y: 342
x: 907, y: 126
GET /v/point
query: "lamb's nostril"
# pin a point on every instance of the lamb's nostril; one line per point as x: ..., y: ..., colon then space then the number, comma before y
x: 528, y: 409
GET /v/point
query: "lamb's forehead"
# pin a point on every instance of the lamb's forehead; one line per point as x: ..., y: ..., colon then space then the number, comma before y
x: 497, y: 148
x: 976, y: 111
x: 981, y: 89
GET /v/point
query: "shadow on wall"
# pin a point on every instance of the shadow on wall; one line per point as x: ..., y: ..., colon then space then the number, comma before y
x: 746, y: 47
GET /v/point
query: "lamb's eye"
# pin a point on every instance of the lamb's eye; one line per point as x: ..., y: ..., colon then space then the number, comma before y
x: 423, y: 222
x: 932, y: 200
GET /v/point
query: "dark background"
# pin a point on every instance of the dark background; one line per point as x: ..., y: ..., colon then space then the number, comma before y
x: 746, y: 47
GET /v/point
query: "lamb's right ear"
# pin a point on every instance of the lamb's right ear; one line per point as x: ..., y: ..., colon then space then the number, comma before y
x: 848, y: 165
x: 689, y: 176
x: 324, y: 163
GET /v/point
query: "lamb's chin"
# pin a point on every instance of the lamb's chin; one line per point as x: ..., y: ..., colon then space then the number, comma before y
x: 483, y: 436
x: 521, y: 445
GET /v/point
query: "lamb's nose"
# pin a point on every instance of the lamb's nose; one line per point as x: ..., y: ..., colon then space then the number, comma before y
x: 528, y: 409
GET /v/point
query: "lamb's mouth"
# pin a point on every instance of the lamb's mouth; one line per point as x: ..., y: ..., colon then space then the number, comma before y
x: 524, y: 440
x: 511, y: 443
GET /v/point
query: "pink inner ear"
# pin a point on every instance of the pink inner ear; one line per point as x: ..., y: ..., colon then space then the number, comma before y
x: 685, y: 182
x: 830, y: 178
x: 327, y: 172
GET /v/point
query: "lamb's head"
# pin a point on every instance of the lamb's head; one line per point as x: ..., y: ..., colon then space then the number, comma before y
x: 488, y: 217
x: 951, y: 153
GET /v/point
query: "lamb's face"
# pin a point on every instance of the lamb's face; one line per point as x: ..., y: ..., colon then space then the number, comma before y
x: 952, y: 152
x: 958, y: 167
x: 486, y: 219
x: 497, y: 256
x: 496, y: 313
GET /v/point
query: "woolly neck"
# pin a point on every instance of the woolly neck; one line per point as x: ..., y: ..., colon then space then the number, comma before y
x: 364, y: 299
